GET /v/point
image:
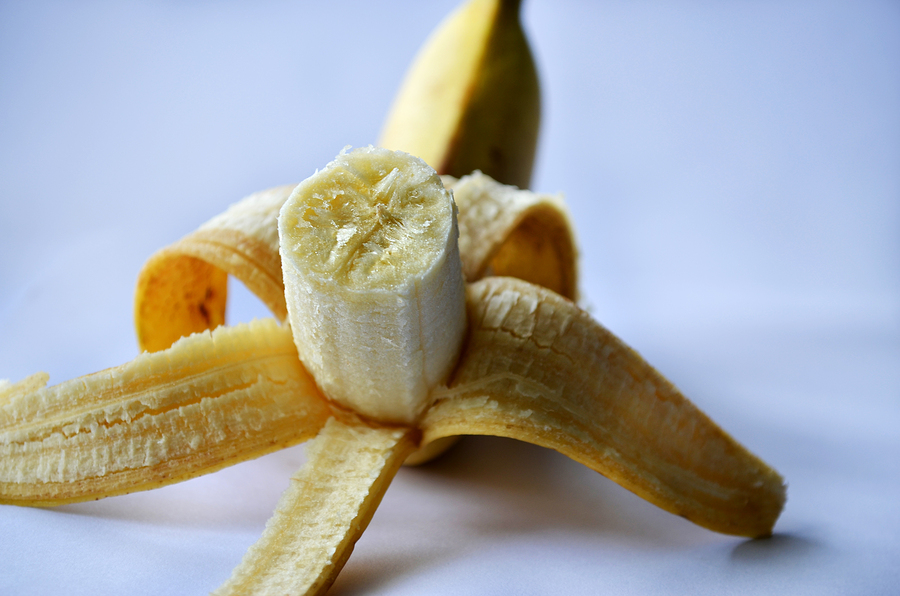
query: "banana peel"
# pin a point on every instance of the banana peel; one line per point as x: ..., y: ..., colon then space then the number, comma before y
x: 533, y: 366
x: 210, y: 401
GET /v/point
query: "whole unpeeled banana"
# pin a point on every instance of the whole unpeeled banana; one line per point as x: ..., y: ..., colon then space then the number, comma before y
x: 471, y: 100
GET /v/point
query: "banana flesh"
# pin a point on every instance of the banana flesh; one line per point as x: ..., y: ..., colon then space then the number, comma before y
x: 471, y: 99
x: 374, y: 281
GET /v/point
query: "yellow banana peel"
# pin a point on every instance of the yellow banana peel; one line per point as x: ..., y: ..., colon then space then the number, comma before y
x: 409, y: 308
x: 471, y: 99
x: 532, y: 366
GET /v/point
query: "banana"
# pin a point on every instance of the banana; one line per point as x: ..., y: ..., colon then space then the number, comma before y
x: 471, y: 99
x: 398, y: 335
x: 373, y: 281
x: 387, y: 351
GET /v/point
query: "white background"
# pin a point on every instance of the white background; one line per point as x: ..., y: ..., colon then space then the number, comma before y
x: 733, y: 169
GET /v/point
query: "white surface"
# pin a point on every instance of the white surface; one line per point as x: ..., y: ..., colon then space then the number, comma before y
x: 734, y: 172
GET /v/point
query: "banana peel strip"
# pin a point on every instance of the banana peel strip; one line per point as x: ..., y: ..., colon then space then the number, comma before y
x: 211, y: 400
x: 182, y: 289
x: 508, y: 232
x: 539, y: 369
x: 324, y: 511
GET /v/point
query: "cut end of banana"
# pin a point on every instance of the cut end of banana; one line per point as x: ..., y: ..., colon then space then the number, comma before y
x: 371, y: 220
x: 374, y: 281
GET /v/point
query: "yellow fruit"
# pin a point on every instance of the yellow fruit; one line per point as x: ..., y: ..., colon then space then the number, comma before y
x: 373, y: 281
x: 471, y: 100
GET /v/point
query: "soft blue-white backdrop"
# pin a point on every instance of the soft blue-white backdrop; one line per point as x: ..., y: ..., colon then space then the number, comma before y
x: 733, y: 169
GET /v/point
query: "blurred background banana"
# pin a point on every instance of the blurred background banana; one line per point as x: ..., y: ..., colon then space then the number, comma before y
x: 471, y: 99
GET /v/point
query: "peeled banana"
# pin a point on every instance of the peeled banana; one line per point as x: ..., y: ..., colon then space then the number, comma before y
x: 401, y: 359
x: 374, y: 282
